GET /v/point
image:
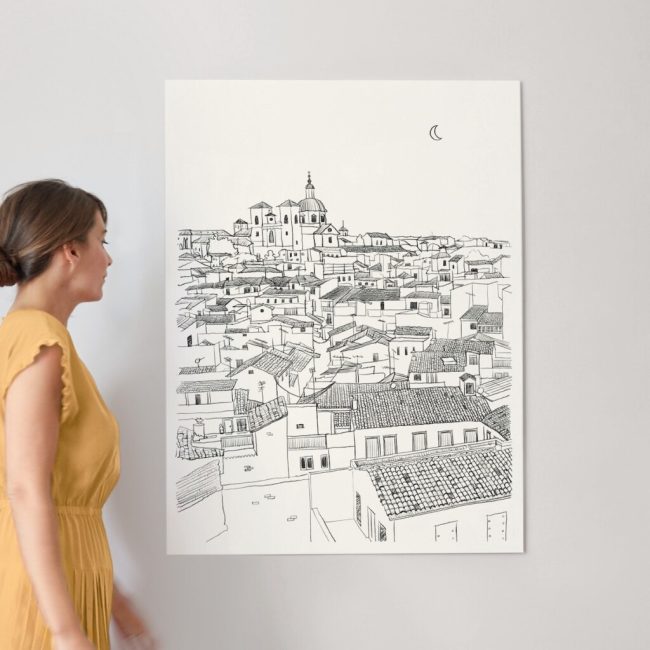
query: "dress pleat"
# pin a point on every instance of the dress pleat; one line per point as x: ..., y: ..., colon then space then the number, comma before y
x: 86, y: 469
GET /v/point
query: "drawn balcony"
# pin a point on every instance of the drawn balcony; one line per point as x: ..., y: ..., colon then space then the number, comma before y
x: 501, y: 363
x: 228, y: 443
x: 307, y: 442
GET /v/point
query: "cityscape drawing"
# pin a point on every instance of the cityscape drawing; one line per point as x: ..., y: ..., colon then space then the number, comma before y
x: 370, y: 372
x: 334, y: 387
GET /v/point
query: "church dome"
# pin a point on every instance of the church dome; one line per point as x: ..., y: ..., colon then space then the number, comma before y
x: 312, y: 204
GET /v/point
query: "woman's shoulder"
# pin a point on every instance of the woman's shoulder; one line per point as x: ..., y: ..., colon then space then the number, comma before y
x: 26, y: 327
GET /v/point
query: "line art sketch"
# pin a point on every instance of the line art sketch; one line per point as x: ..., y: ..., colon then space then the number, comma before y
x: 338, y: 389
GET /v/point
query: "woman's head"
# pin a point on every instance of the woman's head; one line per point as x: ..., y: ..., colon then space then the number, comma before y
x: 41, y: 218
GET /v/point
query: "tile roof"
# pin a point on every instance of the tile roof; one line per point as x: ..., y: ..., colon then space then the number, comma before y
x: 412, y: 330
x: 491, y: 319
x: 478, y: 262
x: 418, y: 406
x: 364, y: 294
x: 337, y: 294
x: 474, y: 312
x: 339, y: 395
x: 288, y: 203
x: 364, y: 336
x: 454, y: 346
x: 374, y: 249
x: 215, y: 319
x: 267, y: 413
x: 342, y: 328
x: 379, y: 234
x: 423, y: 295
x: 293, y: 322
x: 423, y: 362
x: 496, y: 387
x: 196, y: 370
x: 216, y: 385
x: 261, y: 204
x: 427, y: 483
x: 274, y: 362
x: 456, y: 258
x: 499, y: 420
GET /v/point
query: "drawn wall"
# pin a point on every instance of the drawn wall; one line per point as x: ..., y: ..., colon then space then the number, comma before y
x: 343, y: 317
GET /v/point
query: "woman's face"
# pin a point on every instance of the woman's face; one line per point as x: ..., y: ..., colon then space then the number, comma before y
x: 93, y: 264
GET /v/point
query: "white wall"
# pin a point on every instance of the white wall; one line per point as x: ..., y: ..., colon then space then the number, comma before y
x: 81, y: 98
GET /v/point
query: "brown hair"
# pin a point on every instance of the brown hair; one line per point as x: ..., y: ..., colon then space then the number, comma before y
x: 38, y: 217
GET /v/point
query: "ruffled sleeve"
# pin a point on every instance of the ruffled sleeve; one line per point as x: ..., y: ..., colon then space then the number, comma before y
x: 27, y: 333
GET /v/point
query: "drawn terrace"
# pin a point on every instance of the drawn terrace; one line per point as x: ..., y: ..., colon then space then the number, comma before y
x: 354, y: 384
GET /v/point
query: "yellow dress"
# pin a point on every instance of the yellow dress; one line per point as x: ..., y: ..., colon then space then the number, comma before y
x: 86, y: 469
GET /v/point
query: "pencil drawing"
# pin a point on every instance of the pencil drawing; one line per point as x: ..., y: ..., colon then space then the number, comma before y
x: 341, y: 386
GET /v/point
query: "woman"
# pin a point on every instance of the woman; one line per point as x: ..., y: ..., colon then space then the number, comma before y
x: 59, y: 443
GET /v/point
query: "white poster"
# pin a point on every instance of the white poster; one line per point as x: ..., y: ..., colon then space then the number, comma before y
x: 344, y: 317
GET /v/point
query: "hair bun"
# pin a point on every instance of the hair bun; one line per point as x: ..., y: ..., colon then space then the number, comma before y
x: 8, y: 270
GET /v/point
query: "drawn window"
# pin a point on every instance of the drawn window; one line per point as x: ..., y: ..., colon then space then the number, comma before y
x: 472, y: 326
x: 381, y: 305
x: 488, y: 434
x: 469, y: 388
x: 471, y: 435
x: 417, y: 377
x: 445, y: 438
x: 250, y: 372
x: 197, y: 399
x: 271, y: 237
x: 375, y: 356
x: 286, y: 219
x: 300, y: 426
x: 241, y: 425
x: 372, y: 447
x: 406, y: 351
x: 358, y: 508
x: 257, y: 221
x: 257, y: 233
x: 324, y: 462
x: 445, y: 311
x: 390, y: 445
x: 313, y: 218
x: 472, y: 359
x: 295, y: 220
x: 444, y: 262
x: 189, y: 341
x: 419, y: 440
x: 302, y: 220
x: 239, y: 362
x: 382, y: 533
x: 398, y: 352
x: 306, y: 462
x: 329, y: 240
x: 413, y: 305
x: 322, y: 219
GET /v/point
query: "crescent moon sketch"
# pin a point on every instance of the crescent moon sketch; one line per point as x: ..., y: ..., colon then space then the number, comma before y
x: 433, y: 134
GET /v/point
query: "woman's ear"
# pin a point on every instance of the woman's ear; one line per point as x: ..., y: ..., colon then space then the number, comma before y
x: 70, y: 251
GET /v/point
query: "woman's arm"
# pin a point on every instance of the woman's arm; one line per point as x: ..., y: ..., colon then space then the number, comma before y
x: 32, y: 412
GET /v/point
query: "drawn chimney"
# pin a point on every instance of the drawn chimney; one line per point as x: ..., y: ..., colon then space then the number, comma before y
x: 355, y: 404
x: 198, y: 428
